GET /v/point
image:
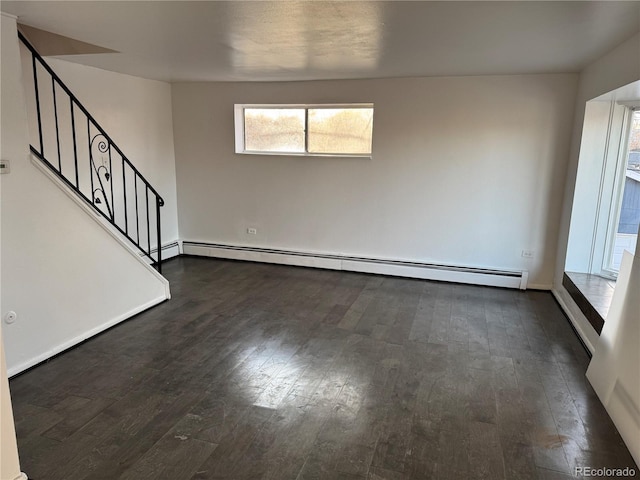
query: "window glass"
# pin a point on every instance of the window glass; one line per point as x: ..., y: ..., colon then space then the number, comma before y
x: 274, y: 130
x: 626, y: 235
x: 340, y: 130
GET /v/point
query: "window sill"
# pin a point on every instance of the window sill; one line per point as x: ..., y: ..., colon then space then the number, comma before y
x: 307, y: 154
x: 592, y: 294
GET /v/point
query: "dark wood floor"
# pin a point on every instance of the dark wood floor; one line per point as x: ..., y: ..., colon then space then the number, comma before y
x: 271, y: 372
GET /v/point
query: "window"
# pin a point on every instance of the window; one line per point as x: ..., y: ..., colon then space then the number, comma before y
x: 606, y: 203
x: 308, y: 130
x: 625, y: 215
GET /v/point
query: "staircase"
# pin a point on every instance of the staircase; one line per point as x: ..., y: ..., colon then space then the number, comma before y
x: 72, y: 144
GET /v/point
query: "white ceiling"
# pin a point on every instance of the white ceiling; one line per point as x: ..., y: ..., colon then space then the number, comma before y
x: 307, y: 40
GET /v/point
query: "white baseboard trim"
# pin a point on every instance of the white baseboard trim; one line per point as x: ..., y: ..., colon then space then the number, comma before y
x: 394, y: 267
x: 571, y: 314
x: 83, y: 336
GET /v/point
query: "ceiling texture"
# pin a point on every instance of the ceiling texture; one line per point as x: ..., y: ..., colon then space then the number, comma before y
x: 312, y: 40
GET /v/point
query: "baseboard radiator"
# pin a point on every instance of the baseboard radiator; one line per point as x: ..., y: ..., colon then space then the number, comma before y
x: 398, y: 268
x: 169, y: 250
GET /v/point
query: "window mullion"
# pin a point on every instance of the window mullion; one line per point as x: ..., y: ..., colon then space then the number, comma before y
x: 609, y: 266
x: 306, y: 130
x: 244, y: 128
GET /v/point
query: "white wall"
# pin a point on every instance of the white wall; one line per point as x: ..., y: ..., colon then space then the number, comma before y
x: 465, y: 171
x: 63, y: 275
x: 599, y: 153
x: 9, y: 460
x: 136, y: 113
x: 617, y: 68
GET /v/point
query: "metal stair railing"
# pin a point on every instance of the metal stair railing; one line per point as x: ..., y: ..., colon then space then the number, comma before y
x: 72, y: 144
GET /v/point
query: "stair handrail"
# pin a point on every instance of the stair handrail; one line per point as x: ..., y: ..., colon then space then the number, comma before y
x: 105, y: 145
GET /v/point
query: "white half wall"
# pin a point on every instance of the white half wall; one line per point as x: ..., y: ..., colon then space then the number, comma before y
x: 9, y: 459
x: 465, y: 171
x: 63, y: 275
x: 614, y: 371
x: 136, y: 113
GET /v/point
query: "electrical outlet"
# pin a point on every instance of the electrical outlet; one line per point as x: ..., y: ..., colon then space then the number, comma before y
x: 252, y: 231
x: 5, y: 166
x: 527, y: 253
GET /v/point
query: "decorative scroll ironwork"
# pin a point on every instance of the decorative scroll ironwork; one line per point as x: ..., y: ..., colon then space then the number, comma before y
x: 106, y: 180
x: 103, y: 148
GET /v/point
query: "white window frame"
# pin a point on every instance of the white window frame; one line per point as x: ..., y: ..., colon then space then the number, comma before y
x: 611, y: 191
x: 240, y: 133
